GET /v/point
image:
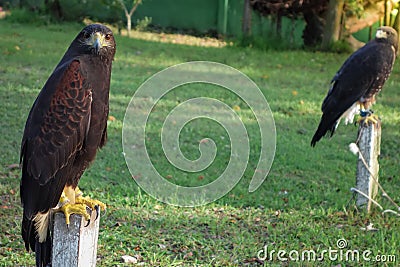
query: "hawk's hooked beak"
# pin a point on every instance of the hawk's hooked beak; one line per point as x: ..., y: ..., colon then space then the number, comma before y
x: 97, y: 42
x: 381, y: 34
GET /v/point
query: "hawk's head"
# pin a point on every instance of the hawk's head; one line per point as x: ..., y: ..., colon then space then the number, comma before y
x: 96, y: 39
x: 387, y: 34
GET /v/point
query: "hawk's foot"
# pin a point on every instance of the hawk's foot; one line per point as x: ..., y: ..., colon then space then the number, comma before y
x: 69, y: 209
x: 368, y: 118
x: 72, y: 202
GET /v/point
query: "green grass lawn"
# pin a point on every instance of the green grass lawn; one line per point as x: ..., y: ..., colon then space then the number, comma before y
x: 304, y: 204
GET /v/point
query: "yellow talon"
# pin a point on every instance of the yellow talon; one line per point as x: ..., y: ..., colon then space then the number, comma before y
x: 76, y: 208
x: 372, y: 118
x: 91, y: 203
x: 72, y: 202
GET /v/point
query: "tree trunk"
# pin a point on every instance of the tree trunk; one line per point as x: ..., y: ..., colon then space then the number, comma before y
x: 279, y: 24
x: 388, y: 9
x: 246, y: 23
x: 396, y: 25
x: 129, y: 14
x: 129, y: 24
x: 314, y: 30
x: 333, y: 23
x: 54, y: 8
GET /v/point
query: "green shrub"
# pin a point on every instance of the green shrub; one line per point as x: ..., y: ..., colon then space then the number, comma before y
x: 143, y: 24
x: 340, y: 47
x: 25, y: 16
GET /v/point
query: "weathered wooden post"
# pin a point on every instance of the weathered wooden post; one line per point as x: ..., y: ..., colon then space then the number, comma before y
x: 76, y: 245
x: 369, y: 144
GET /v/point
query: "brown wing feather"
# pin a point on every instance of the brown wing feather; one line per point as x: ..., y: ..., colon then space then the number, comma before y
x: 64, y: 126
x: 54, y: 133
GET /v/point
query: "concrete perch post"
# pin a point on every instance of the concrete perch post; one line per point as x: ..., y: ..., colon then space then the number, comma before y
x: 77, y: 245
x: 369, y: 143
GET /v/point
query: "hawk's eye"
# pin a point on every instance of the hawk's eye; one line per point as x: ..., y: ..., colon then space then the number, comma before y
x: 108, y: 37
x: 86, y: 35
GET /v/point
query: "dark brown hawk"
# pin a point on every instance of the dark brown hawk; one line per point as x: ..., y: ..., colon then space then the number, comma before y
x: 65, y: 127
x: 357, y: 82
